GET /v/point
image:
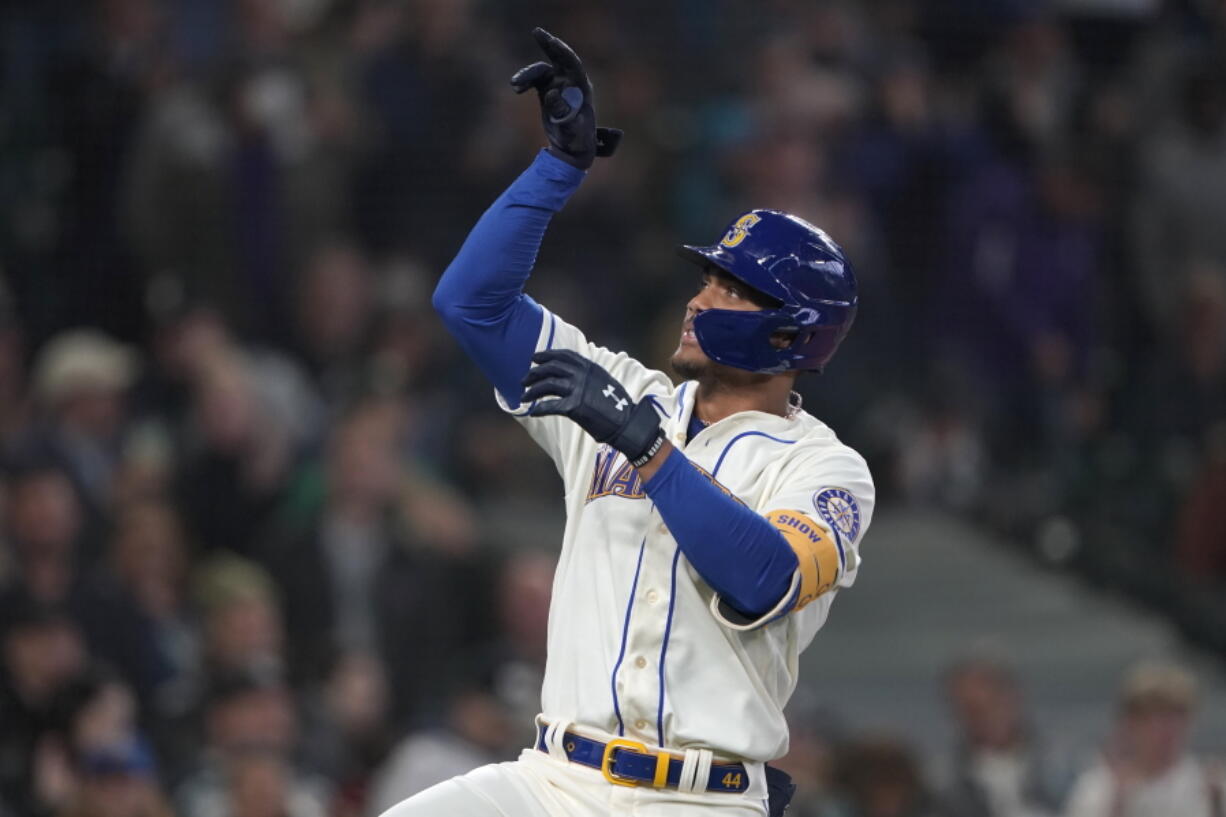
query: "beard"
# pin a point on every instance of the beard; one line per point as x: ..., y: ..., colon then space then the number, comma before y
x: 713, y: 374
x: 689, y: 369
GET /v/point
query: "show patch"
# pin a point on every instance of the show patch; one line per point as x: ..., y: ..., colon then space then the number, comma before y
x: 840, y: 509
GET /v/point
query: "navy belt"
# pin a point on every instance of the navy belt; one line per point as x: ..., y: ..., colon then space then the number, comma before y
x: 630, y: 763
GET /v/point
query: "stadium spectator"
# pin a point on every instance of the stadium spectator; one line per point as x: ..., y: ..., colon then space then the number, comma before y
x: 97, y: 712
x: 939, y: 444
x: 1000, y: 768
x: 1183, y: 176
x: 97, y: 747
x: 100, y: 93
x: 370, y: 558
x: 347, y: 731
x: 1189, y: 368
x: 1025, y: 243
x: 43, y: 653
x: 45, y: 530
x: 335, y: 310
x: 226, y: 170
x: 80, y: 380
x: 243, y: 626
x: 476, y: 730
x: 118, y: 780
x: 516, y: 658
x: 236, y: 458
x: 1146, y: 768
x: 494, y: 690
x: 50, y: 567
x: 149, y: 557
x: 879, y: 776
x: 192, y: 338
x: 249, y: 716
x: 260, y: 784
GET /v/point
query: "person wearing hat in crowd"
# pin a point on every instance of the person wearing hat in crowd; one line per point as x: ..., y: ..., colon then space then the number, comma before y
x: 80, y: 381
x: 1146, y: 770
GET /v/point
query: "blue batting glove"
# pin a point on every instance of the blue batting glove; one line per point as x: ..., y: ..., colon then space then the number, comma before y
x: 583, y: 391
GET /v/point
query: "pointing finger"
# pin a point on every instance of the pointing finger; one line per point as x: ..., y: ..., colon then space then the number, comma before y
x: 559, y: 53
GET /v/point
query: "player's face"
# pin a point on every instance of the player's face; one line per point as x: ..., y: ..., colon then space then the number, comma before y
x: 715, y: 291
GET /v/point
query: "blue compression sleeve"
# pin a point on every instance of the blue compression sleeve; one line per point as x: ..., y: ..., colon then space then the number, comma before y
x: 481, y: 295
x: 738, y: 552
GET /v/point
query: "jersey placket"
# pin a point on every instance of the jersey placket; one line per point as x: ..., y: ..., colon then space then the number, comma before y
x: 643, y: 678
x: 639, y: 680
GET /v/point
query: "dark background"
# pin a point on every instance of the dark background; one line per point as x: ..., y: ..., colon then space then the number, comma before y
x: 260, y: 518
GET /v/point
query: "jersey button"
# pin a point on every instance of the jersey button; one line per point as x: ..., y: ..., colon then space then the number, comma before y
x: 662, y: 528
x: 652, y: 597
x: 640, y: 662
x: 640, y: 724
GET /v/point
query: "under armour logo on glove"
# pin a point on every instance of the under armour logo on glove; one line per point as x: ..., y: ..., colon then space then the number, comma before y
x: 611, y: 393
x: 565, y: 383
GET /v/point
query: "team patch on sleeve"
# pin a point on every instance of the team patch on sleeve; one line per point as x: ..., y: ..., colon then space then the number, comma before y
x: 816, y: 553
x: 840, y: 510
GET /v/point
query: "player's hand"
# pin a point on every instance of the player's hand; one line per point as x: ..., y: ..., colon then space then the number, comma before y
x: 586, y: 393
x: 566, y: 103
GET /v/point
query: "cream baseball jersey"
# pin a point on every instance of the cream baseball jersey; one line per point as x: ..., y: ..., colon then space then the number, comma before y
x: 639, y: 645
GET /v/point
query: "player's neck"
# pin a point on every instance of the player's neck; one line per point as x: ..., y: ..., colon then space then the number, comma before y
x: 717, y: 399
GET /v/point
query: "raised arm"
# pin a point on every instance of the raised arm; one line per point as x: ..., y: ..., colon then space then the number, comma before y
x: 480, y: 296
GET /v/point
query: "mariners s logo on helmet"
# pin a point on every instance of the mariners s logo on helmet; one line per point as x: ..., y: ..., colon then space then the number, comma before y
x: 739, y: 229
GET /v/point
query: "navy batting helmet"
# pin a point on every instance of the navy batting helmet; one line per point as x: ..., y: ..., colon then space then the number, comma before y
x: 790, y: 260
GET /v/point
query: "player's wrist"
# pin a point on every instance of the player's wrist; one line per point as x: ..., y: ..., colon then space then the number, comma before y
x: 641, y: 438
x: 578, y: 162
x: 650, y: 453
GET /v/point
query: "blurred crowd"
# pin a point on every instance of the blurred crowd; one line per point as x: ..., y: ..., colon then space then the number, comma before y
x: 268, y: 549
x: 1001, y: 766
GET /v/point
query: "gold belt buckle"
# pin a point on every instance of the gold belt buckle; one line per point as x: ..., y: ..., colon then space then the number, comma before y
x: 606, y: 761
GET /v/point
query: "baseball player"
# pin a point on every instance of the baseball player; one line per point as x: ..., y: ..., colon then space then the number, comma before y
x: 709, y: 524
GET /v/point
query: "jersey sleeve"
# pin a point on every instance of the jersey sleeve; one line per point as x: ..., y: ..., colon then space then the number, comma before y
x: 822, y: 504
x: 560, y: 437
